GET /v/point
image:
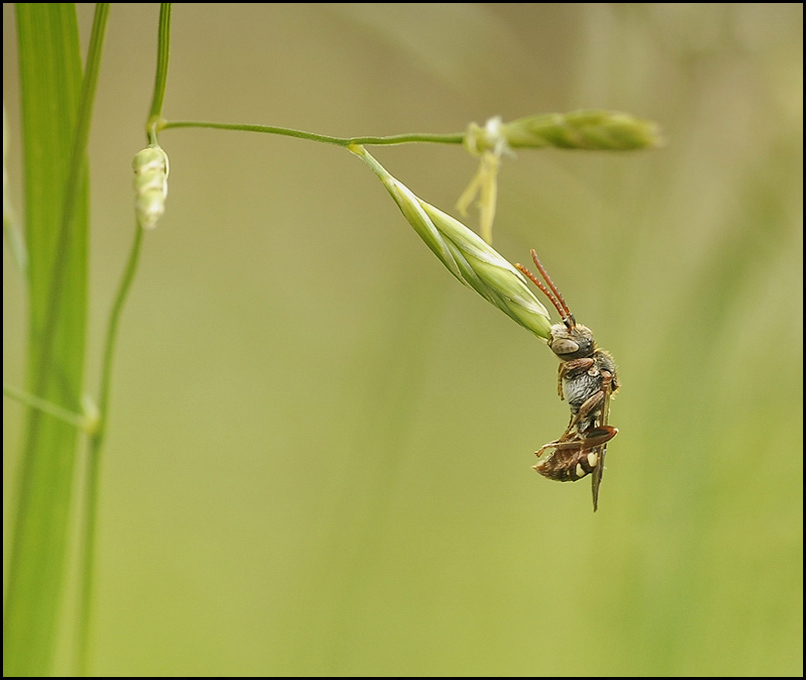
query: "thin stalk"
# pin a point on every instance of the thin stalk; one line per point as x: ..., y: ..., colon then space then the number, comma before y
x: 433, y: 138
x: 161, y: 75
x: 96, y: 442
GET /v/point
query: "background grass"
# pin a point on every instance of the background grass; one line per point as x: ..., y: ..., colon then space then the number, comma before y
x: 56, y: 120
x: 319, y: 454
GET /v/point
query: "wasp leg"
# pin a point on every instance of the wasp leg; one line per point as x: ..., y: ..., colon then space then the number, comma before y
x: 568, y: 443
x: 597, y: 437
x: 577, y: 365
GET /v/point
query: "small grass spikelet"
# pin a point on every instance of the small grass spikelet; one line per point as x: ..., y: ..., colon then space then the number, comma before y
x: 150, y: 185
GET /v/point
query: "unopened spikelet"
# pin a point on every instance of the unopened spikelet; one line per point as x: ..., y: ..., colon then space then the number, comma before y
x: 466, y: 255
x: 150, y: 185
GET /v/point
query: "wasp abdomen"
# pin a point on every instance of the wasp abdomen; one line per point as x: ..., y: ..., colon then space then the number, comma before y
x: 568, y: 465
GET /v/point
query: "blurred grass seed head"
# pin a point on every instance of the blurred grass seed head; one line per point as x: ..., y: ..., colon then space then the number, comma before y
x: 586, y: 130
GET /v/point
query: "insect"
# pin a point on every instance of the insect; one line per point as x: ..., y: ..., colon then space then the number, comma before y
x: 586, y: 380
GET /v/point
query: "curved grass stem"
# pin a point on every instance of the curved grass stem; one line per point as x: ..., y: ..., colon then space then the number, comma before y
x: 434, y: 138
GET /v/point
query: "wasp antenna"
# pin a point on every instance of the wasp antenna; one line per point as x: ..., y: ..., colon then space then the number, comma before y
x: 542, y: 286
x: 559, y: 300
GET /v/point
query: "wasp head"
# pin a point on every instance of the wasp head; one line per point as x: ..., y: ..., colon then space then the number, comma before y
x: 571, y: 341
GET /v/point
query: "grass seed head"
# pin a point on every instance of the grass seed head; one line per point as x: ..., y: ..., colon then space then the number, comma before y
x: 591, y: 130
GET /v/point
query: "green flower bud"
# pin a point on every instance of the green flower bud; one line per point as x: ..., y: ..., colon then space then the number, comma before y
x: 150, y: 185
x: 466, y: 255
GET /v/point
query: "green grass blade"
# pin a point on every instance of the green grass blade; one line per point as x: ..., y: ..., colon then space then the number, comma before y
x: 56, y: 213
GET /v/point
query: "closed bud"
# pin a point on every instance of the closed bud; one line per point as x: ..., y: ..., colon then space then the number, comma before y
x: 475, y: 263
x: 150, y: 185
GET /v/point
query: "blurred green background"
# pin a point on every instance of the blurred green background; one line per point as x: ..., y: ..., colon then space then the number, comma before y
x: 320, y: 446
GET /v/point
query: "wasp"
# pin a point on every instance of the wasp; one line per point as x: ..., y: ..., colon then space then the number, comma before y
x: 586, y: 380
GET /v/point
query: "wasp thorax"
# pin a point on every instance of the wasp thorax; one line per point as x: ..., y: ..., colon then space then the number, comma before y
x: 571, y: 343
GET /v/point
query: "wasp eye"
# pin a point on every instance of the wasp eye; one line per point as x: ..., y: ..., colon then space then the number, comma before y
x: 564, y: 346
